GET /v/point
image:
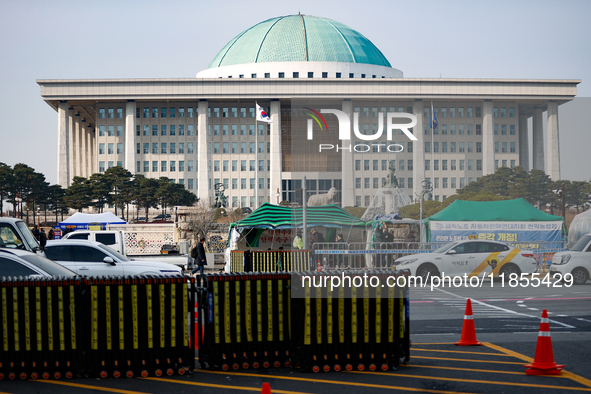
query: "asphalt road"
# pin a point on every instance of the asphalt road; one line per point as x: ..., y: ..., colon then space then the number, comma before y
x: 507, y: 321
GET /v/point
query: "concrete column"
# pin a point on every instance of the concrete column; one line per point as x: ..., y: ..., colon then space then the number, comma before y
x: 93, y: 149
x: 129, y: 162
x: 523, y: 141
x: 347, y: 165
x: 63, y: 145
x: 418, y: 152
x: 203, y: 191
x: 83, y: 151
x: 76, y: 138
x: 553, y: 144
x: 275, y: 155
x: 71, y: 144
x: 89, y: 155
x: 538, y: 140
x: 488, y: 139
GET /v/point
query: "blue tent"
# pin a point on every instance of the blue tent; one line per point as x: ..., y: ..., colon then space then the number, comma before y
x: 96, y: 221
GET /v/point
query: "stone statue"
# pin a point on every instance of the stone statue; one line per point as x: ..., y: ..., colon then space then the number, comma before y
x: 322, y: 199
x: 426, y: 194
x: 220, y: 198
x: 391, y: 181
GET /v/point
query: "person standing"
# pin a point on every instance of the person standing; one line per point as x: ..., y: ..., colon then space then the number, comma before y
x: 200, y: 259
x: 50, y: 234
x: 298, y: 242
x: 340, y: 246
x: 42, y: 239
x: 35, y: 232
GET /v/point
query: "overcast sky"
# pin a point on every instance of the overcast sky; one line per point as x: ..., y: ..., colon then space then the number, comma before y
x: 176, y: 39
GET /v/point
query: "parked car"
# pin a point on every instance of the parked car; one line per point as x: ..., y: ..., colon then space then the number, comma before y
x: 91, y: 258
x: 110, y: 238
x: 161, y: 217
x: 576, y: 261
x: 472, y: 258
x: 17, y: 263
x: 14, y: 234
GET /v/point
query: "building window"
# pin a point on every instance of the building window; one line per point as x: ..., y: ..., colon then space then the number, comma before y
x: 452, y: 129
x: 172, y: 147
x: 267, y: 75
x: 384, y: 165
x: 324, y: 75
x: 154, y: 166
x: 296, y: 74
x: 110, y: 131
x: 478, y: 129
x: 504, y: 163
x: 443, y: 112
x: 503, y: 112
x: 120, y: 148
x: 146, y: 148
x: 453, y: 183
x: 172, y: 112
x: 181, y: 147
x: 469, y: 130
x: 101, y: 166
x: 189, y: 112
x: 409, y: 147
x: 495, y: 112
x: 110, y: 149
x: 357, y: 165
x: 462, y: 182
x: 478, y: 165
x: 512, y: 147
x: 216, y: 165
x: 444, y: 147
x: 181, y: 166
x: 470, y: 147
x: 427, y: 165
x: 366, y: 183
x: 452, y: 112
x: 163, y: 148
x: 468, y: 112
x: 436, y: 165
x: 496, y: 147
x: 216, y: 147
x: 479, y: 147
x: 163, y: 166
x: 119, y: 113
x: 409, y: 165
x: 189, y: 184
x: 460, y: 112
x: 101, y: 149
x: 154, y: 148
x: 172, y: 166
x: 146, y: 166
x: 512, y: 129
x: 470, y: 165
x: 503, y: 129
x: 511, y: 112
x: 444, y: 165
x: 452, y: 147
x: 181, y: 112
x: 338, y: 75
x: 461, y: 147
x: 155, y: 130
x: 190, y: 166
x: 401, y: 165
x: 504, y: 148
x: 101, y: 113
x: 357, y: 183
x: 401, y: 183
x: 453, y: 165
x: 190, y: 148
x: 427, y: 147
x: 435, y: 147
x: 154, y: 112
x: 281, y: 75
x: 462, y: 166
x: 163, y: 130
x: 512, y: 163
x: 181, y: 129
x: 443, y: 129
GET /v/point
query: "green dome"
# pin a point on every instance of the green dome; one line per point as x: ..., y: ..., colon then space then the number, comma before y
x: 299, y: 38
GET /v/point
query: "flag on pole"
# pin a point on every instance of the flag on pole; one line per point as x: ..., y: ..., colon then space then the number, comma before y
x: 433, y: 118
x: 262, y: 115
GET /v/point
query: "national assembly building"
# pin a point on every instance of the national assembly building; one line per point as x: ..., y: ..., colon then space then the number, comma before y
x: 314, y: 77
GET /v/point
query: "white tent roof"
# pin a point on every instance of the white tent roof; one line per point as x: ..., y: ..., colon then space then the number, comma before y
x: 81, y: 218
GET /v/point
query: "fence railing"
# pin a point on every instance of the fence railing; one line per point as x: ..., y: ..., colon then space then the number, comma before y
x: 270, y: 261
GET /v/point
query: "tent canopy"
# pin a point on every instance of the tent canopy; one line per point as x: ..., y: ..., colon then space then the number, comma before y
x: 85, y: 218
x: 517, y: 210
x: 275, y: 216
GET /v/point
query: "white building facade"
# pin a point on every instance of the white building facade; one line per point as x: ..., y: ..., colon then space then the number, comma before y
x: 202, y: 131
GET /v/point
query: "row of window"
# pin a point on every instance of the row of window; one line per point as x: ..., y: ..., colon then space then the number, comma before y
x: 225, y: 165
x: 310, y: 74
x: 467, y: 130
x: 191, y: 130
x: 442, y: 112
x: 453, y: 166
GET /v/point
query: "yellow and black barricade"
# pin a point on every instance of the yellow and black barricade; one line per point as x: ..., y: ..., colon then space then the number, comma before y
x: 61, y: 328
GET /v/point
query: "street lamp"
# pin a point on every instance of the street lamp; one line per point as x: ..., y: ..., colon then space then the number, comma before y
x: 18, y: 201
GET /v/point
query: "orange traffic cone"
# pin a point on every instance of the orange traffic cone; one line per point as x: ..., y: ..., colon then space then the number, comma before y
x: 468, y: 337
x: 266, y: 388
x: 544, y: 359
x: 318, y: 266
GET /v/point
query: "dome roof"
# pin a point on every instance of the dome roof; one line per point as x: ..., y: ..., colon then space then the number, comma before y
x: 299, y: 38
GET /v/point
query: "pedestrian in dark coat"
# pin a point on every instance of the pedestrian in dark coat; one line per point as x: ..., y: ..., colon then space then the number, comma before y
x: 200, y: 259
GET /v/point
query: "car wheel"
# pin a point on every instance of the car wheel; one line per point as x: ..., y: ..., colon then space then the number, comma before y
x: 509, y: 269
x: 580, y: 276
x: 427, y: 270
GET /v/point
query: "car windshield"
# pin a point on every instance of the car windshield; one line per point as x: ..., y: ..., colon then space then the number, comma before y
x: 581, y: 243
x: 113, y: 252
x: 29, y: 238
x: 51, y: 267
x: 445, y: 247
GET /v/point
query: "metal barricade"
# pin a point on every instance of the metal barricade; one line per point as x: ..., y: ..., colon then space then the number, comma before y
x: 270, y: 261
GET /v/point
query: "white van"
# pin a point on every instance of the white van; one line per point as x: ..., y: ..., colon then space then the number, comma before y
x: 110, y: 238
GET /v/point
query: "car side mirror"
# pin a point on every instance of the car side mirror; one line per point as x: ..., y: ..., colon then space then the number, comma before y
x: 109, y: 260
x: 452, y: 252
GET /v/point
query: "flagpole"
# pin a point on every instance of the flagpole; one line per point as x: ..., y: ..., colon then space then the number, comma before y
x: 256, y: 157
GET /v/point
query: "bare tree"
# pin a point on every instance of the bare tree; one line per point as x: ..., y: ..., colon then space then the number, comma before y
x: 200, y: 218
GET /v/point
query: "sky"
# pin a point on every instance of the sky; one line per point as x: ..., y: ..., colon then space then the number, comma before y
x: 85, y: 39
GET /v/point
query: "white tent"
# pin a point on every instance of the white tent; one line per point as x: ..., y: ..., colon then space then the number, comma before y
x: 580, y: 226
x: 83, y: 220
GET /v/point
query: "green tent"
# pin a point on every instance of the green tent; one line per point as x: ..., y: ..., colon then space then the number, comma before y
x: 517, y: 210
x: 269, y: 216
x: 494, y: 217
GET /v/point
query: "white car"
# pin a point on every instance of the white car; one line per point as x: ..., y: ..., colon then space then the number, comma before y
x: 91, y: 258
x: 576, y: 261
x: 473, y: 258
x: 17, y: 263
